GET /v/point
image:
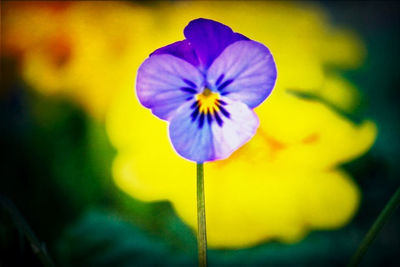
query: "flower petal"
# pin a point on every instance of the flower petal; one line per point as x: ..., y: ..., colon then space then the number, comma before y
x: 165, y: 82
x: 236, y: 130
x: 191, y: 138
x: 244, y: 71
x: 206, y: 137
x: 209, y: 38
x: 182, y: 49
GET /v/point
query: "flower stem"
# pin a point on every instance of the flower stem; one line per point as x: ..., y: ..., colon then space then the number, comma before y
x: 201, y: 217
x: 376, y: 228
x: 38, y: 247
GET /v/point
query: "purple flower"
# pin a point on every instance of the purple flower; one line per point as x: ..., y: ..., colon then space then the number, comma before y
x: 206, y: 87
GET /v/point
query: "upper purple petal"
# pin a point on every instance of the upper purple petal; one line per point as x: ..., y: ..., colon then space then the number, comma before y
x: 181, y: 49
x: 245, y: 71
x: 209, y: 38
x: 165, y: 82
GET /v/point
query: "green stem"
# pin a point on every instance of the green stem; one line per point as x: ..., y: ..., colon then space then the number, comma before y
x: 38, y: 247
x: 201, y: 217
x: 376, y: 228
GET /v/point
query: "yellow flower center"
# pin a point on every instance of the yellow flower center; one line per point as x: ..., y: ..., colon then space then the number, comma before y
x: 208, y: 101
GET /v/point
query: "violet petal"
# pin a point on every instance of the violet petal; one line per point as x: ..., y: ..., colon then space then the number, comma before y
x: 181, y: 49
x: 248, y: 70
x: 209, y: 38
x: 162, y: 84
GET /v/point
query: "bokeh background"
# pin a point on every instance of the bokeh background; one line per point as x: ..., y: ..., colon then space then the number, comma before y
x: 93, y: 173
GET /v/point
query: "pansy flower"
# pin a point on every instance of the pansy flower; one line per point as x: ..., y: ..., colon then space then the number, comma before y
x: 206, y: 87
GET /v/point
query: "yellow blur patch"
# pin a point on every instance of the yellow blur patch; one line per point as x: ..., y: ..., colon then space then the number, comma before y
x: 273, y: 188
x: 340, y: 92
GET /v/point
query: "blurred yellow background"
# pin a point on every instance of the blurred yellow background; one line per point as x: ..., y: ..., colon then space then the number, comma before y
x: 285, y: 182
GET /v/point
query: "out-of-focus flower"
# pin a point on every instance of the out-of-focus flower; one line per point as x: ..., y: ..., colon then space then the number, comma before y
x: 65, y: 49
x: 281, y: 184
x: 206, y: 87
x: 284, y: 182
